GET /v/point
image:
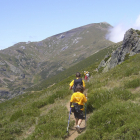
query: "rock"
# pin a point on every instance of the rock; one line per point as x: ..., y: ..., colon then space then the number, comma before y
x: 130, y: 46
x: 4, y: 93
x: 22, y: 75
x: 13, y: 68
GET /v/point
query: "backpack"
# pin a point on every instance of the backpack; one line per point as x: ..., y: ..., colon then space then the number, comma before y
x: 77, y: 82
x: 77, y: 108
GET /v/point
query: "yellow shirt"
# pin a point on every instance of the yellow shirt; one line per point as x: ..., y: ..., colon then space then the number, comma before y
x: 72, y: 83
x: 79, y: 98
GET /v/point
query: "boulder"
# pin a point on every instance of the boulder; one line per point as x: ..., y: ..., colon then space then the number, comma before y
x: 130, y: 46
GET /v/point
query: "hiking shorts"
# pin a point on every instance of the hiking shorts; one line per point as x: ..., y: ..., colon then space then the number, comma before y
x: 79, y: 115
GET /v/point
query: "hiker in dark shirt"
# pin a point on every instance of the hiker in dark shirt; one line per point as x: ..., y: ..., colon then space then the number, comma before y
x: 77, y: 81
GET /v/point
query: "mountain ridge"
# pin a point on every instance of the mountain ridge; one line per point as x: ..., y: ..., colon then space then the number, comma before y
x: 28, y: 63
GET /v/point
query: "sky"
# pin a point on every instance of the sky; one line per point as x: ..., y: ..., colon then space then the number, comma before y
x: 35, y: 20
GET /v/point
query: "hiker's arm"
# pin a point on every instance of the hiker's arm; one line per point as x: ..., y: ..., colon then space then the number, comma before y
x: 85, y: 98
x: 71, y: 100
x: 83, y: 85
x: 71, y: 85
x: 70, y: 104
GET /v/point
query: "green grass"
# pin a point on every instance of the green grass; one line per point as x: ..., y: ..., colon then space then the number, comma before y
x: 113, y: 104
x: 115, y: 108
x: 133, y: 83
x: 89, y: 64
x: 51, y: 126
x: 114, y: 120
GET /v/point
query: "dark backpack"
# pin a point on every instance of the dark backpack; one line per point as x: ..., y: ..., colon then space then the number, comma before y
x: 77, y: 82
x: 77, y: 108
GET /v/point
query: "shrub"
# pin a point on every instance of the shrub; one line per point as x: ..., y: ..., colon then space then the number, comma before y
x: 31, y: 112
x: 121, y: 93
x: 107, y: 58
x: 129, y: 71
x: 13, y: 128
x: 52, y: 126
x: 97, y: 98
x: 138, y: 32
x: 114, y: 120
x: 132, y: 84
x: 39, y: 104
x: 126, y: 57
x: 16, y: 115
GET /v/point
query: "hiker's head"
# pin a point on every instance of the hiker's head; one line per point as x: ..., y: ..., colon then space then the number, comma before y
x: 79, y: 88
x: 78, y: 74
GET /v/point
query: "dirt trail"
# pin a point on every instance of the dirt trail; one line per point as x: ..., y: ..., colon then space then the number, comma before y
x: 72, y: 132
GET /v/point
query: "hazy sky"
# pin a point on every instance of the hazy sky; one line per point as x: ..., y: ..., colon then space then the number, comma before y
x: 35, y: 20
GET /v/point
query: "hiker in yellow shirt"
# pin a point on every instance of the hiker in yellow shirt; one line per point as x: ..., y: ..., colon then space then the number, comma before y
x: 77, y: 81
x: 76, y: 103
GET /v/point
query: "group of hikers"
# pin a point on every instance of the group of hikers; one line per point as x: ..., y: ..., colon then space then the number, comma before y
x: 78, y: 99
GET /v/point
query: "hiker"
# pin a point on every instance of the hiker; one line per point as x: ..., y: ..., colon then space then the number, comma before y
x: 87, y: 76
x: 77, y: 81
x: 76, y: 104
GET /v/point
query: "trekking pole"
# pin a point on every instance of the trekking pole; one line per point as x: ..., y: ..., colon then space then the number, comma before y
x: 68, y: 121
x: 85, y: 113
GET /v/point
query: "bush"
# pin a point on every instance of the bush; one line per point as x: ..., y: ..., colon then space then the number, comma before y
x: 121, y: 93
x: 132, y: 84
x: 51, y: 99
x: 52, y: 126
x: 129, y: 72
x: 16, y: 115
x: 97, y: 98
x: 114, y: 120
x: 13, y: 128
x: 32, y: 112
x: 39, y: 104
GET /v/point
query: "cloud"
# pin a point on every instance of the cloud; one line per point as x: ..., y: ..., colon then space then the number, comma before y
x: 137, y: 23
x: 116, y: 34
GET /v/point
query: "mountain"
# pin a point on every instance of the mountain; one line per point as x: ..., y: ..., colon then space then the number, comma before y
x: 113, y: 107
x: 28, y: 63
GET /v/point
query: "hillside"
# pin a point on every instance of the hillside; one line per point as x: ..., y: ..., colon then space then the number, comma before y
x: 28, y: 63
x: 113, y: 105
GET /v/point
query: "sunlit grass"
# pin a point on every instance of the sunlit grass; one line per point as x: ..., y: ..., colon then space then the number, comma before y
x: 113, y: 102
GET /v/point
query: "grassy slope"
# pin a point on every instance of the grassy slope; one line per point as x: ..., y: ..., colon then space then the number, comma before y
x: 113, y: 101
x: 92, y: 61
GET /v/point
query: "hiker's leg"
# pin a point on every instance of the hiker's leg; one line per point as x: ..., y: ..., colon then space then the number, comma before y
x: 80, y: 117
x: 79, y: 121
x: 76, y: 121
x: 76, y: 118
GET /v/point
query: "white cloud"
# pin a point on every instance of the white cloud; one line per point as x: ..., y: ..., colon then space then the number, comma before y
x: 116, y: 34
x: 137, y: 23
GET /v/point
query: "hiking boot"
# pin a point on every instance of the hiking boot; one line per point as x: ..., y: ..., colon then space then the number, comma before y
x: 78, y: 129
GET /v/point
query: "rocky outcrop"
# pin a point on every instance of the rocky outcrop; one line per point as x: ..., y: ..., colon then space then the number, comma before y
x: 4, y: 93
x: 129, y: 47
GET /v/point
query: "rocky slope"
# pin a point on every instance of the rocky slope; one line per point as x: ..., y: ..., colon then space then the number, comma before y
x: 128, y: 47
x: 28, y: 63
